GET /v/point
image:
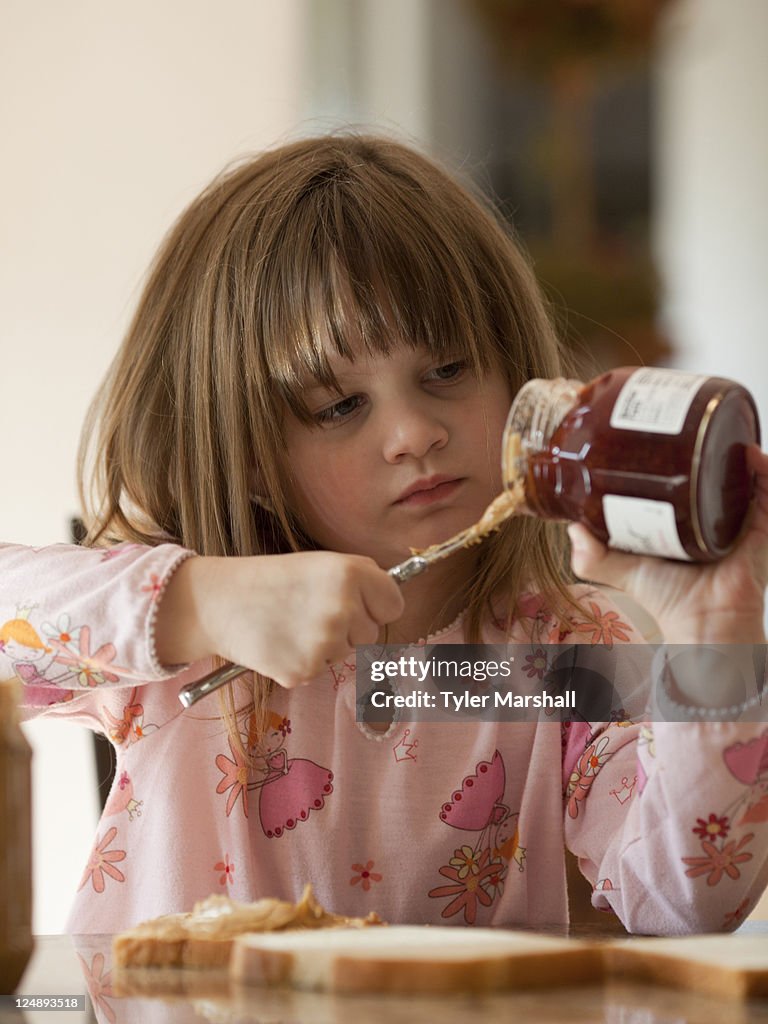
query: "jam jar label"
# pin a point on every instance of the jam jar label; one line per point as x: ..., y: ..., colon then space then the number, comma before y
x: 643, y: 526
x: 656, y: 401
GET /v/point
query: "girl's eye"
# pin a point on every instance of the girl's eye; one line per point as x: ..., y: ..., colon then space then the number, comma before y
x: 341, y: 410
x: 449, y: 371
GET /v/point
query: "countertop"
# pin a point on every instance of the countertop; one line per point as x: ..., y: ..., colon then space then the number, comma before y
x: 64, y: 965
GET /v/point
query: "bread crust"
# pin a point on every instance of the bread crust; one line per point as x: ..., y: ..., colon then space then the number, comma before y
x: 581, y: 966
x: 480, y: 961
x: 657, y: 962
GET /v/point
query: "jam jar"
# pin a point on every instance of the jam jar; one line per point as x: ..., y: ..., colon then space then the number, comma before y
x: 15, y: 841
x: 650, y: 460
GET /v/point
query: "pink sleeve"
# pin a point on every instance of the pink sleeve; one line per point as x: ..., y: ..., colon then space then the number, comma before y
x: 75, y: 620
x: 668, y: 821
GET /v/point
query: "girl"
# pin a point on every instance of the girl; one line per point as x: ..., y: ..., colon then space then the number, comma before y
x: 315, y: 381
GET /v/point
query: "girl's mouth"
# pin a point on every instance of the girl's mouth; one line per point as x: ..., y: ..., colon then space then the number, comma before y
x: 429, y: 492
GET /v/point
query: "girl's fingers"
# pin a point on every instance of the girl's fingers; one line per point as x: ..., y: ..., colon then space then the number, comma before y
x: 758, y: 463
x: 592, y: 560
x: 757, y: 460
x: 363, y: 630
x: 382, y: 598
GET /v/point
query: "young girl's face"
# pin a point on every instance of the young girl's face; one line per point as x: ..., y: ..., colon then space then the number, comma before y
x: 406, y: 456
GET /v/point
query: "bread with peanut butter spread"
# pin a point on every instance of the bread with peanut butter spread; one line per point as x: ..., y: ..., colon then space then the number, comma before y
x: 204, y: 937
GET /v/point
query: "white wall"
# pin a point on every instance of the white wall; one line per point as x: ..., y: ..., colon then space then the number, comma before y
x: 370, y: 63
x: 113, y: 116
x: 712, y: 188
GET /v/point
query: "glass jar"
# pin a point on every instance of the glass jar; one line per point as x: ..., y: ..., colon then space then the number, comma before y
x: 16, y: 841
x: 650, y: 460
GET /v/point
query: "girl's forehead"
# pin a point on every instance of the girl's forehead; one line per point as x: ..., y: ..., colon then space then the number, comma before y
x: 360, y: 362
x: 331, y: 351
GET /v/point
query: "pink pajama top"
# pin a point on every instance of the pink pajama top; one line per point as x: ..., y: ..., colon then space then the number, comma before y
x: 460, y: 823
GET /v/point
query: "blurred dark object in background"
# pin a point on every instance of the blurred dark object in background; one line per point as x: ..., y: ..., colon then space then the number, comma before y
x: 571, y: 162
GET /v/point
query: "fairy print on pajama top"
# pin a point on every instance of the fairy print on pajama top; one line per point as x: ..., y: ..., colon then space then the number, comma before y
x: 461, y: 823
x: 289, y: 788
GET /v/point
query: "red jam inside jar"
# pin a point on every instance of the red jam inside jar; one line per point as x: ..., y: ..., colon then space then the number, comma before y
x: 650, y: 460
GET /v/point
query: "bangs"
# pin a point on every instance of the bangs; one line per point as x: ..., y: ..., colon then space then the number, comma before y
x: 368, y: 273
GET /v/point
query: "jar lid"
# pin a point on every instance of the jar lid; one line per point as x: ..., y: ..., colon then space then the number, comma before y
x: 537, y: 410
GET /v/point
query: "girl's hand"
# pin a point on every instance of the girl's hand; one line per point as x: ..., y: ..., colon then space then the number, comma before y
x: 286, y: 616
x: 721, y: 602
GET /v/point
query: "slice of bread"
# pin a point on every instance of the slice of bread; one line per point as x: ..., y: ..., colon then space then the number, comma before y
x: 734, y: 966
x: 170, y: 941
x: 413, y: 959
x: 203, y: 938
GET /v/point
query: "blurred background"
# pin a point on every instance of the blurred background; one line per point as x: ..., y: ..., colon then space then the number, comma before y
x: 626, y: 140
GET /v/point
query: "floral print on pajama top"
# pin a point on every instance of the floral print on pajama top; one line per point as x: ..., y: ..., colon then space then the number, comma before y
x: 461, y: 823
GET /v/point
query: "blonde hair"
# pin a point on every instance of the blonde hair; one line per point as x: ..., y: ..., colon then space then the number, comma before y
x: 23, y: 633
x: 325, y: 239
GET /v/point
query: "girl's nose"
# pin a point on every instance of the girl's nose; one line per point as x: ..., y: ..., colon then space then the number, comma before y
x: 414, y: 432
